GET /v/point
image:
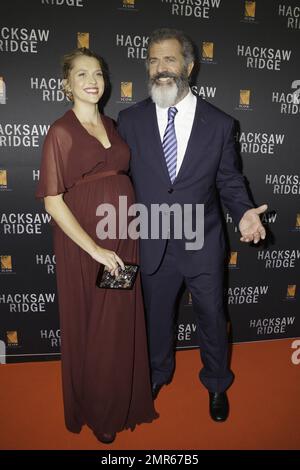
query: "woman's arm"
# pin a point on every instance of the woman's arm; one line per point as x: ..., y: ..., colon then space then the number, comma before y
x: 57, y: 208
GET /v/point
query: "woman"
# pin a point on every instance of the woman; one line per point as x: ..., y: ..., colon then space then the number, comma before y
x: 105, y: 371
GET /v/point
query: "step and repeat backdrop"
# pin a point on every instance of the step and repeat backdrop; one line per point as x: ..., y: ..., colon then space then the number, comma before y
x: 248, y: 57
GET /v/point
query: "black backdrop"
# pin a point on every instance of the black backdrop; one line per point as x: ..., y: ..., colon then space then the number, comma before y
x: 249, y: 67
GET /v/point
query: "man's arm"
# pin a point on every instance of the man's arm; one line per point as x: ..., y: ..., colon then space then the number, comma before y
x: 233, y: 192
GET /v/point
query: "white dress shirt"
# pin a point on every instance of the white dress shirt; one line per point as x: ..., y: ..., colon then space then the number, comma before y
x: 183, y: 124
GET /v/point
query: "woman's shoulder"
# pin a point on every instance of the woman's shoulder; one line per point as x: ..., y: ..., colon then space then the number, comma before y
x: 64, y: 124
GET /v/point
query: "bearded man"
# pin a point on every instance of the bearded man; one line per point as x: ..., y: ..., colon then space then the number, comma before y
x: 183, y: 152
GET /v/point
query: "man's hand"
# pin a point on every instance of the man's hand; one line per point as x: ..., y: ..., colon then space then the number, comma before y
x: 250, y: 225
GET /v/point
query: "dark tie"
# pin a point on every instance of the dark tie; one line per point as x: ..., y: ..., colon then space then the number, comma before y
x: 170, y: 143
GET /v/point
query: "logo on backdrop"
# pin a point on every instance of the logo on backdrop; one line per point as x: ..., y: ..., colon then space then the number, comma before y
x: 22, y: 135
x: 292, y: 15
x: 48, y: 261
x: 266, y: 218
x: 249, y: 11
x: 260, y: 143
x: 244, y: 101
x: 246, y: 294
x: 196, y: 8
x: 2, y: 91
x: 12, y: 339
x: 24, y: 303
x: 63, y: 3
x: 35, y: 175
x: 185, y: 331
x: 205, y: 91
x: 284, y: 184
x: 23, y: 223
x: 269, y: 217
x: 128, y: 5
x: 83, y: 40
x: 297, y: 224
x: 134, y: 45
x: 229, y: 221
x: 22, y: 39
x: 263, y: 57
x: 52, y: 337
x: 6, y: 264
x: 277, y: 259
x: 207, y: 54
x: 233, y: 260
x: 291, y: 292
x: 50, y: 89
x: 126, y: 92
x: 4, y: 180
x: 289, y: 102
x: 273, y: 325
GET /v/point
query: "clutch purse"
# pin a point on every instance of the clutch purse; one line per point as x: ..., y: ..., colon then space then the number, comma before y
x: 125, y: 279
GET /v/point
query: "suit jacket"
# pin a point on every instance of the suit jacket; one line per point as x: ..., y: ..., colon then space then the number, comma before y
x: 209, y: 171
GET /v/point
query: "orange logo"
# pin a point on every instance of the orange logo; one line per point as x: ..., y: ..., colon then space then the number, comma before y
x: 83, y: 40
x: 12, y: 338
x: 244, y: 98
x: 5, y: 263
x: 3, y: 179
x: 126, y: 91
x: 250, y: 9
x: 291, y: 291
x: 233, y: 259
x: 207, y: 50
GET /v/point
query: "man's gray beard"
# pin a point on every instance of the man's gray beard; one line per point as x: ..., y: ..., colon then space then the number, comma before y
x: 167, y: 95
x: 164, y: 95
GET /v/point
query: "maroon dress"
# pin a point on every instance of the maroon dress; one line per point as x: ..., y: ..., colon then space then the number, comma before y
x: 105, y: 370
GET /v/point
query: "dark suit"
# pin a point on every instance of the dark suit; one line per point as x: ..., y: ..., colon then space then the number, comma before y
x: 209, y: 169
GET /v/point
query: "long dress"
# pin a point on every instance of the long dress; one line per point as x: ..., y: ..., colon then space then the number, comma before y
x: 105, y: 371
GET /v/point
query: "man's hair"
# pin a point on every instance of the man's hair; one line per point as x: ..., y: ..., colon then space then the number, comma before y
x: 161, y: 34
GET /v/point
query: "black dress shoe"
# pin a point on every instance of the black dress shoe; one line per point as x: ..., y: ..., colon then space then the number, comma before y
x: 218, y: 406
x: 155, y: 390
x: 106, y: 438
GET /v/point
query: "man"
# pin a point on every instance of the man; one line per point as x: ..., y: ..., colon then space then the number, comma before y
x: 183, y: 151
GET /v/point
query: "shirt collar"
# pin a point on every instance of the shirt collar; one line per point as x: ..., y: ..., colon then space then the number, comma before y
x: 182, y: 106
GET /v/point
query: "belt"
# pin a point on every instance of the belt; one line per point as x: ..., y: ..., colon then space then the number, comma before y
x: 98, y: 176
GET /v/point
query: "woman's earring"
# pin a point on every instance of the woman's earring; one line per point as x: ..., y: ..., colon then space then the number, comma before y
x: 67, y: 91
x: 69, y: 94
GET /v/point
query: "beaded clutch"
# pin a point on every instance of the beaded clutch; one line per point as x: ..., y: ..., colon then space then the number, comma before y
x: 125, y: 279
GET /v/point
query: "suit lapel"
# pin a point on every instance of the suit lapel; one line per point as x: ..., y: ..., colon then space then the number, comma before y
x: 195, y: 140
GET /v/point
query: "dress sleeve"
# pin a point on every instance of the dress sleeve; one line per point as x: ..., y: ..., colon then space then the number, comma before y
x: 51, y: 181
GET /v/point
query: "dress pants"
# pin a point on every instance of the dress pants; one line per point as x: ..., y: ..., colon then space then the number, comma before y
x: 161, y: 291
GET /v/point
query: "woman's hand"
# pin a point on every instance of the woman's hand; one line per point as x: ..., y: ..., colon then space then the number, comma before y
x: 109, y: 258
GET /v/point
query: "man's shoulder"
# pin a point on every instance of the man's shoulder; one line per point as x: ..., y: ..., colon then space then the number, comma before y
x: 212, y: 112
x: 136, y: 109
